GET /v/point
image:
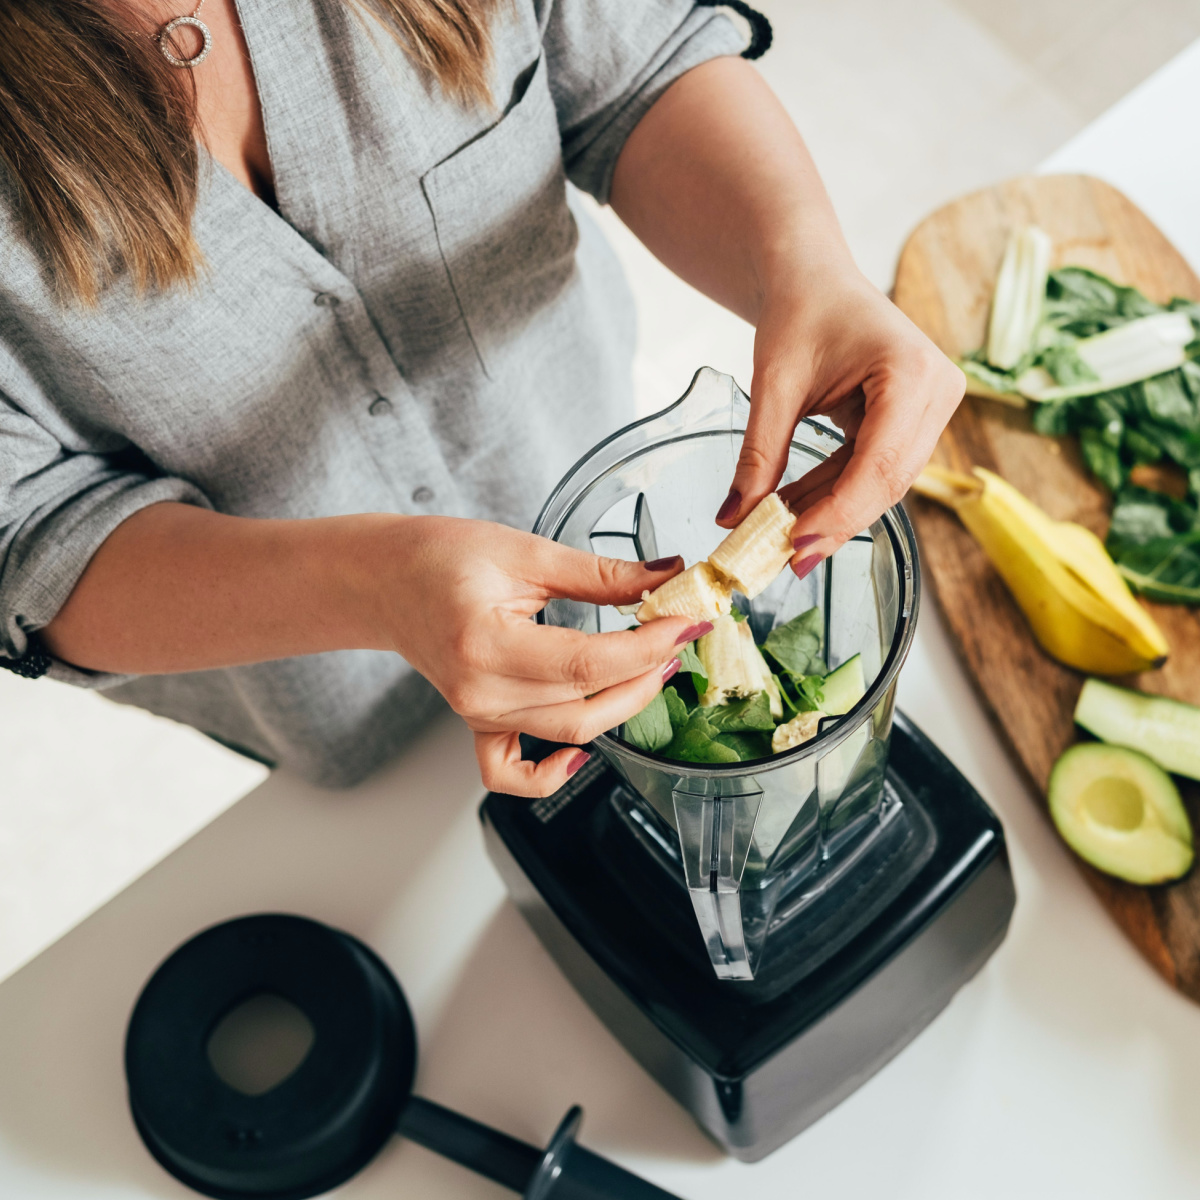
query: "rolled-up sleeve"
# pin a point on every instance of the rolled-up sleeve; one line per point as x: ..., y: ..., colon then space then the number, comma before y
x: 609, y: 60
x: 56, y: 508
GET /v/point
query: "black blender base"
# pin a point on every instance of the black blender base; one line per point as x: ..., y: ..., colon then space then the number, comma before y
x: 755, y: 1063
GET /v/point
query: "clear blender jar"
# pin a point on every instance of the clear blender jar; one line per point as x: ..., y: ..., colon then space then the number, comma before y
x: 753, y: 842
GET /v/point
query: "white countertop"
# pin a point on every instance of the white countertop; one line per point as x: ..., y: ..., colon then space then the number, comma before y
x: 1066, y: 1068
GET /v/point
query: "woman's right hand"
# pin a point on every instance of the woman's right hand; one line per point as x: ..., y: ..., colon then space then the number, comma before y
x: 458, y: 603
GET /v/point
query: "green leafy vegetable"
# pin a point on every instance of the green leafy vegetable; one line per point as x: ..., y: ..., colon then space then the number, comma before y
x: 1155, y: 542
x: 742, y: 716
x: 1064, y: 363
x: 998, y: 381
x: 796, y: 645
x: 1166, y: 569
x: 1166, y: 399
x: 1102, y: 458
x: 677, y: 710
x: 1153, y: 536
x: 811, y: 694
x: 696, y: 742
x: 791, y: 708
x: 651, y: 728
x: 746, y: 746
x: 689, y: 661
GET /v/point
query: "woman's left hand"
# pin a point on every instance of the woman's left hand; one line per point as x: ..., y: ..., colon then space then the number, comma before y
x: 837, y: 346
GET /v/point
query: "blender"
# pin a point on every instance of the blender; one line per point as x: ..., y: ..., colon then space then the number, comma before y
x: 762, y: 935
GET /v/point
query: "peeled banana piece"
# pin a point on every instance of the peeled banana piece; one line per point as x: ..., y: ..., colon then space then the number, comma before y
x: 697, y: 592
x: 735, y: 666
x: 1080, y: 609
x: 799, y: 729
x: 754, y: 553
x: 748, y: 560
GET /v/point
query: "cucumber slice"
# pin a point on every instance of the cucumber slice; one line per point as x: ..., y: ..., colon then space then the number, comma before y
x: 842, y: 689
x: 1121, y: 812
x: 1167, y: 730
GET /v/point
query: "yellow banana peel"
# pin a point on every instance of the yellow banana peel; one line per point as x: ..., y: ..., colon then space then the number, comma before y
x: 1080, y: 609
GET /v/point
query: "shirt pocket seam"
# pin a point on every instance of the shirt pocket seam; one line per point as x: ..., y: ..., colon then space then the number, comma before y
x: 509, y: 140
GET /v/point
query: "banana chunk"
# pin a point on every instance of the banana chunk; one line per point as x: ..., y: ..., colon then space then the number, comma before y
x: 752, y: 556
x: 796, y: 731
x: 697, y: 592
x: 735, y: 666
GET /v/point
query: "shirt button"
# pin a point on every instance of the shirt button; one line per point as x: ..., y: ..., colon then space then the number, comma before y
x: 379, y: 406
x: 422, y: 495
x: 326, y: 300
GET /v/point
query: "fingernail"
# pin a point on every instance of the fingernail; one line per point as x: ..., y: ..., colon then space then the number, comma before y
x: 692, y: 632
x: 661, y: 564
x: 805, y: 565
x: 577, y: 762
x: 805, y: 540
x: 670, y: 669
x: 732, y: 503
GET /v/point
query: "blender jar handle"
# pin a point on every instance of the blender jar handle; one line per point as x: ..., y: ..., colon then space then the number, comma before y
x: 715, y: 832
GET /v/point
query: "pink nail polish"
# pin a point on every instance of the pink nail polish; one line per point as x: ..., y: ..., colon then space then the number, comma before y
x: 692, y: 632
x: 661, y: 564
x: 805, y: 540
x: 670, y: 669
x: 577, y: 762
x: 731, y: 505
x: 805, y: 565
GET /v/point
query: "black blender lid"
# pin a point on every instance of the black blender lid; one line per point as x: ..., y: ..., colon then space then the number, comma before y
x: 352, y: 1090
x: 321, y: 1124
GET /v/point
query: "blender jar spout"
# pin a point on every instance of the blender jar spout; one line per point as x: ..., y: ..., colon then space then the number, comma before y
x: 715, y: 833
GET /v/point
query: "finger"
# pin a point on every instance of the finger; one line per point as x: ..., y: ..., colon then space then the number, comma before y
x: 818, y: 479
x: 502, y: 770
x: 579, y: 721
x: 566, y: 573
x: 848, y: 416
x: 774, y: 411
x: 590, y: 662
x: 890, y: 450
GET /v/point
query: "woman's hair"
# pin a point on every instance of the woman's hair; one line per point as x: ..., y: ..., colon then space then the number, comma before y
x: 98, y: 130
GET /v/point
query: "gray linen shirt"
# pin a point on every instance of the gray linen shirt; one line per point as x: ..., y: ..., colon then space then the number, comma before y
x: 427, y: 325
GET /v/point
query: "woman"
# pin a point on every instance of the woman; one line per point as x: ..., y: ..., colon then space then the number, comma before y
x: 299, y: 325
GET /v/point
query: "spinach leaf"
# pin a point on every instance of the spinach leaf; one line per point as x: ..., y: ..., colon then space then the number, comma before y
x: 785, y: 694
x: 989, y: 376
x: 812, y: 695
x: 737, y: 614
x: 741, y: 716
x: 796, y: 645
x: 1141, y: 449
x: 1155, y: 542
x: 1166, y: 569
x: 677, y: 710
x: 689, y: 661
x: 696, y: 743
x: 1055, y: 418
x: 746, y: 746
x: 651, y: 728
x: 1064, y: 363
x: 1102, y: 458
x: 1184, y: 448
x: 1166, y: 399
x: 1140, y: 515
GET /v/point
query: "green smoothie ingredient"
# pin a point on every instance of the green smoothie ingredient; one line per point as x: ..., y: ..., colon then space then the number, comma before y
x: 736, y: 701
x: 1121, y: 812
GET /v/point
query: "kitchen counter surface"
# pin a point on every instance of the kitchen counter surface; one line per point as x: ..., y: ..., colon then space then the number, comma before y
x: 1066, y: 1068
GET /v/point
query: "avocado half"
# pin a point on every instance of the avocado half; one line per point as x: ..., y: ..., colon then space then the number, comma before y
x: 1121, y: 812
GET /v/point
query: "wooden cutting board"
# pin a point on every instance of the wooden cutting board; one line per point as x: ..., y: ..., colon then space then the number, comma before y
x: 944, y: 283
